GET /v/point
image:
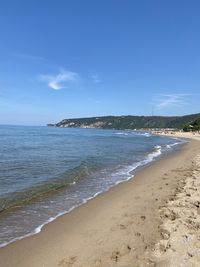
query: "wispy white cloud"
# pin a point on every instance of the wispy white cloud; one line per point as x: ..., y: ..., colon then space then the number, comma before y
x: 170, y: 100
x: 60, y: 80
x: 95, y: 78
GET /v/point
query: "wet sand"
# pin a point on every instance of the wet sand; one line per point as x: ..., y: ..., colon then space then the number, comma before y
x: 147, y: 221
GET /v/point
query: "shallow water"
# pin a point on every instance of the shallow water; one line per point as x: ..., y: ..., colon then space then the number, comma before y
x: 46, y: 172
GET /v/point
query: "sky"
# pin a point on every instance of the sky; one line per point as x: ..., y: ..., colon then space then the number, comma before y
x: 73, y: 58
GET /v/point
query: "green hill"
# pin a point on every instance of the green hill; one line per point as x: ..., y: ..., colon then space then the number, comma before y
x: 193, y: 126
x: 129, y: 122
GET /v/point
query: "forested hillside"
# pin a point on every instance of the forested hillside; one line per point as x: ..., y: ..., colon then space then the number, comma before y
x: 129, y: 122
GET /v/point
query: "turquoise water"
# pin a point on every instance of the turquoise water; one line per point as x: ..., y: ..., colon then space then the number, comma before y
x: 46, y: 172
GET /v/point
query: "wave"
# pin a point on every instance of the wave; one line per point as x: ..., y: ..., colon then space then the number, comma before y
x: 134, y: 133
x: 122, y: 133
x: 124, y: 173
x: 146, y: 134
x: 180, y: 141
x: 46, y: 189
x: 38, y: 229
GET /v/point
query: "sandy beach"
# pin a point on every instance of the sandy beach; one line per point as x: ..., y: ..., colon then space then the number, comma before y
x: 151, y: 220
x: 188, y: 135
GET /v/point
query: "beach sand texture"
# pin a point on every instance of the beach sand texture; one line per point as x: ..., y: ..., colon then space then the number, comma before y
x: 180, y: 231
x: 151, y: 220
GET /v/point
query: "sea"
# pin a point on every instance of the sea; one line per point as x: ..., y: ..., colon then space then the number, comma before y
x: 46, y: 172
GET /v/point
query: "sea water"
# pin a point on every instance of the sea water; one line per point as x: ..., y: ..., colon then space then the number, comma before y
x: 46, y: 171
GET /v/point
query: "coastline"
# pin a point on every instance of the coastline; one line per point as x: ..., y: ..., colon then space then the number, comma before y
x: 117, y: 228
x: 178, y: 134
x: 36, y: 218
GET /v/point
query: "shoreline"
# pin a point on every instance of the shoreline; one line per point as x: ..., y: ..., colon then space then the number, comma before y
x: 158, y: 152
x: 111, y: 229
x: 179, y: 134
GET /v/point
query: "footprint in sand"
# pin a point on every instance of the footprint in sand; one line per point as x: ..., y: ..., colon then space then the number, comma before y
x: 165, y: 234
x: 137, y: 234
x: 137, y: 197
x: 128, y: 247
x: 115, y: 256
x: 122, y: 226
x: 143, y: 217
x: 67, y: 263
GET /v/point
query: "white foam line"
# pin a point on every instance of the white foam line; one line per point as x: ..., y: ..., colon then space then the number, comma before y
x: 181, y: 141
x: 146, y: 134
x: 150, y: 157
x: 122, y: 133
x: 178, y: 138
x: 39, y: 228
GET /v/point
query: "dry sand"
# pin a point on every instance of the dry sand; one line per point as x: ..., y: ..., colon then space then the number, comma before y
x: 189, y: 135
x: 151, y: 220
x: 180, y: 228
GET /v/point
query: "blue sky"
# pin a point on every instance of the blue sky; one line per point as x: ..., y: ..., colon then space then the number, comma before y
x: 74, y: 58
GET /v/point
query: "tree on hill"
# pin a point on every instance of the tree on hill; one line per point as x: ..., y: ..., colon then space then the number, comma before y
x: 194, y: 126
